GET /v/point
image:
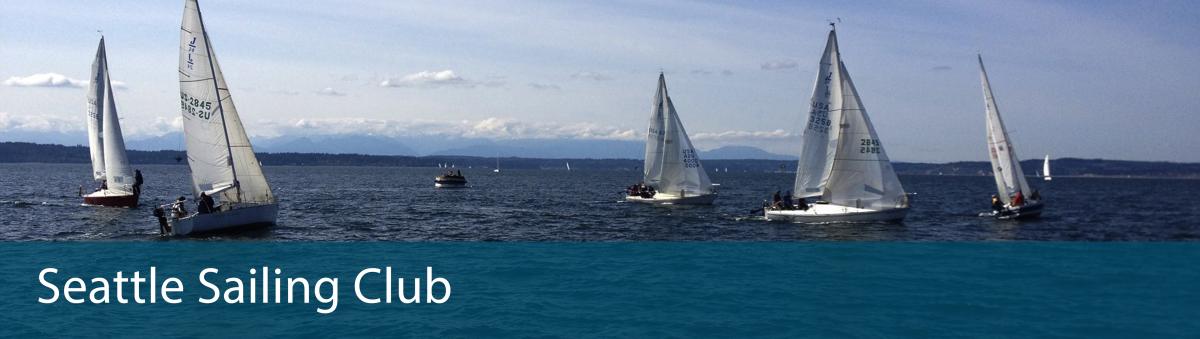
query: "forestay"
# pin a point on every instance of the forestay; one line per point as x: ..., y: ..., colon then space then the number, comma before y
x: 219, y: 152
x: 1005, y: 164
x: 672, y: 163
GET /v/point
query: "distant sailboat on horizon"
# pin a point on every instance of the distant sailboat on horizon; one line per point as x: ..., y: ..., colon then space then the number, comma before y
x: 110, y: 165
x: 1011, y: 201
x: 1046, y: 169
x: 222, y: 161
x: 842, y: 161
x: 673, y: 174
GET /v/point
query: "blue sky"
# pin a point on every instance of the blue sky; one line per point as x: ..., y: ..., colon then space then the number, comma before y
x: 1095, y: 79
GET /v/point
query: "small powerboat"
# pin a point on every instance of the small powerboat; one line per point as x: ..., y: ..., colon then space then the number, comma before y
x: 450, y: 179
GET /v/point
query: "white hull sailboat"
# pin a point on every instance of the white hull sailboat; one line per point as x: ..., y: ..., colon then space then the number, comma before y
x: 672, y: 172
x: 842, y: 162
x: 1013, y: 190
x: 110, y: 166
x: 1046, y: 168
x: 219, y: 153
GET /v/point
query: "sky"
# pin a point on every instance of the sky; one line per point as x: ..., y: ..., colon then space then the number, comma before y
x: 1089, y: 79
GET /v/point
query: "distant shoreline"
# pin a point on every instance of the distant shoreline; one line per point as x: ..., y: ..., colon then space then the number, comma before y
x: 22, y: 152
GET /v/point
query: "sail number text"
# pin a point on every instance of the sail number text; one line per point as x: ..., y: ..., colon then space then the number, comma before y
x: 689, y: 159
x: 818, y: 118
x: 91, y: 110
x: 195, y: 107
x: 869, y: 146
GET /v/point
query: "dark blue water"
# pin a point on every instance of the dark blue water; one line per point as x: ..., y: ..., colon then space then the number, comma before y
x: 531, y: 254
x: 40, y: 202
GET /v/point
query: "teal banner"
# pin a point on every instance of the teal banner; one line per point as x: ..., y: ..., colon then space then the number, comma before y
x: 616, y: 289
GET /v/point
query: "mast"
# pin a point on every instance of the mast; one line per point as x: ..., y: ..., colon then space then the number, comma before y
x: 217, y: 91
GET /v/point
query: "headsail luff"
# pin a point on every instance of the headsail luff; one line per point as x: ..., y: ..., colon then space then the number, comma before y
x: 219, y: 152
x: 1005, y: 164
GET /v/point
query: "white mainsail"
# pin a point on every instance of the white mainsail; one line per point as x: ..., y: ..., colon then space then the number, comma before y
x: 1046, y: 167
x: 95, y: 111
x: 219, y: 152
x: 842, y: 159
x: 672, y: 164
x: 1005, y: 164
x: 655, y: 135
x: 819, y: 140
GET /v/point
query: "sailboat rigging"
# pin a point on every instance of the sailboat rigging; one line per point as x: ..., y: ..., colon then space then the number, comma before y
x: 842, y: 166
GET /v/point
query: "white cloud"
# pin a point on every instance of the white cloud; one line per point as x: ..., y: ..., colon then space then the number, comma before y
x: 596, y: 76
x: 778, y: 140
x: 39, y: 123
x: 779, y: 65
x: 45, y: 80
x: 541, y: 86
x: 329, y: 91
x: 427, y: 79
x: 53, y: 80
x: 490, y: 128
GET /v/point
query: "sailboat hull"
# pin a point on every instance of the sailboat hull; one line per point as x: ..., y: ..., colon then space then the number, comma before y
x: 664, y: 199
x: 826, y: 213
x: 242, y: 215
x: 111, y: 199
x: 1027, y: 211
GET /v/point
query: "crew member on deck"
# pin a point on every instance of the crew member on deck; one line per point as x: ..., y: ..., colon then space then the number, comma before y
x: 997, y: 205
x: 137, y: 182
x: 776, y: 201
x: 787, y: 200
x: 1018, y: 199
x: 177, y: 209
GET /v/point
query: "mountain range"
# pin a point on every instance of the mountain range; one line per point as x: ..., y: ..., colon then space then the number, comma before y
x: 423, y: 145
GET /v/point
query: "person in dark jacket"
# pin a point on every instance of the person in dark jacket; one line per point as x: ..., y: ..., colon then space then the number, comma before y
x: 787, y: 200
x: 162, y: 220
x: 776, y: 201
x: 205, y: 205
x: 137, y: 182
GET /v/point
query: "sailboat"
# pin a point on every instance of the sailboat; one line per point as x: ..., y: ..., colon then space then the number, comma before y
x: 842, y: 162
x: 497, y: 170
x: 1006, y: 168
x: 1046, y: 168
x: 673, y: 174
x: 110, y: 166
x: 219, y: 153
